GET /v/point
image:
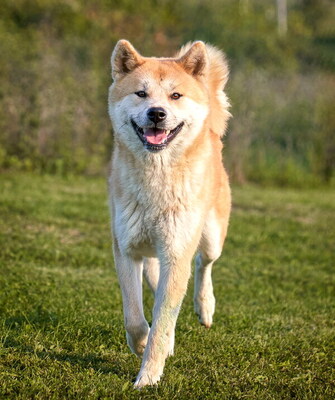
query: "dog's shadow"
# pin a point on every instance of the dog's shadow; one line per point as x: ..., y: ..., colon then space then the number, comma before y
x: 101, y: 364
x: 108, y: 363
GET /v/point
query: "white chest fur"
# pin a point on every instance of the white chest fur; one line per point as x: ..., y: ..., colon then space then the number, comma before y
x: 157, y: 204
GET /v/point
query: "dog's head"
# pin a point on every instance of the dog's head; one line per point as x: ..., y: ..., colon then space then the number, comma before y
x: 158, y: 103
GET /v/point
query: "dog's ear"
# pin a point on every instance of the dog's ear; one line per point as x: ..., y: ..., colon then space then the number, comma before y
x: 124, y: 59
x: 195, y: 60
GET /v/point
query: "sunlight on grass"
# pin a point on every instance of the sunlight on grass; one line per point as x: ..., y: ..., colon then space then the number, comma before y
x: 61, y: 327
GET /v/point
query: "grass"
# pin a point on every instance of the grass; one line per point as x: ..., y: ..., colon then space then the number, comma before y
x: 61, y: 324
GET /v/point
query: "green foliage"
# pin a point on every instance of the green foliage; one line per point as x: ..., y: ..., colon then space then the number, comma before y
x: 55, y: 71
x: 61, y: 322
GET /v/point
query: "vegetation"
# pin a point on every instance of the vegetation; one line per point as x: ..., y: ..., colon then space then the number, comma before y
x: 54, y: 74
x: 61, y: 325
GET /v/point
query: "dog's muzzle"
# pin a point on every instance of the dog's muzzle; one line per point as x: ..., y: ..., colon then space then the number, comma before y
x: 156, y: 139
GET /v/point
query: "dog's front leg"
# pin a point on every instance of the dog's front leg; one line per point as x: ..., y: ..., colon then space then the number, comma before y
x: 171, y: 289
x: 151, y: 273
x: 130, y: 278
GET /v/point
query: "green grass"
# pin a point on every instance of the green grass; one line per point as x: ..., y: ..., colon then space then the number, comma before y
x: 61, y: 324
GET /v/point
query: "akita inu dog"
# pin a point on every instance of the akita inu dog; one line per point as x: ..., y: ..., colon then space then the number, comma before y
x: 169, y: 192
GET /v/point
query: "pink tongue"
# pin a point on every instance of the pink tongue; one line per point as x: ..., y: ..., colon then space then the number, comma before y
x: 155, y: 136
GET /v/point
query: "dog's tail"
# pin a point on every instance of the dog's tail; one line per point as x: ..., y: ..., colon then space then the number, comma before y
x: 218, y: 73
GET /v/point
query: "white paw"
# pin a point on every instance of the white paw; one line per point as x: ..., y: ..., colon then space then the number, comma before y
x: 146, y: 379
x: 204, y: 307
x: 138, y: 342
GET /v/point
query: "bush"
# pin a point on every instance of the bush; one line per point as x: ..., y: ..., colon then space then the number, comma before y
x: 55, y: 73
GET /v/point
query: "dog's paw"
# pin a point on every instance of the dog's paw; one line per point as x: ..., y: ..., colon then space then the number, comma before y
x: 137, y: 342
x: 146, y: 379
x: 204, y: 307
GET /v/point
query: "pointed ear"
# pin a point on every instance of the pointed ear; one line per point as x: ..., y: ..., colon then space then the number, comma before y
x: 124, y: 59
x: 195, y: 61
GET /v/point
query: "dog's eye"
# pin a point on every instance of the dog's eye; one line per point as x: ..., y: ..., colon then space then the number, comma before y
x: 141, y: 93
x: 176, y: 96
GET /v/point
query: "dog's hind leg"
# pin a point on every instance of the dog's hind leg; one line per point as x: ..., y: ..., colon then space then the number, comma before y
x: 130, y: 278
x: 204, y: 300
x: 151, y: 272
x: 210, y: 248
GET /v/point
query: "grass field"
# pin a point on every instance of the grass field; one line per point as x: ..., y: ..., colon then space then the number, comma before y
x: 61, y: 324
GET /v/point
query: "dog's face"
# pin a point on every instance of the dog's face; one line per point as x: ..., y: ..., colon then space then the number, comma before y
x: 158, y: 104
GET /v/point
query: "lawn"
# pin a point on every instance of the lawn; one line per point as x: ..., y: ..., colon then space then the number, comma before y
x: 61, y: 324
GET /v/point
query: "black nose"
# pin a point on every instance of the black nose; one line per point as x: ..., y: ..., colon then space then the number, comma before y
x: 156, y: 114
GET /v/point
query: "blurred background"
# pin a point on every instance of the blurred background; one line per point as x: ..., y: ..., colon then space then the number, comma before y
x: 55, y: 73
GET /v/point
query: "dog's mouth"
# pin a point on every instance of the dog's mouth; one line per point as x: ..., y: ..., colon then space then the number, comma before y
x: 155, y: 139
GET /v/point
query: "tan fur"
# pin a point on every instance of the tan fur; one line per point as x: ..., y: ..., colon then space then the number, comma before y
x: 218, y: 75
x: 166, y: 205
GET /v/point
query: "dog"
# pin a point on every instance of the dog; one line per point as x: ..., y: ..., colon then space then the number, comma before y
x: 169, y: 192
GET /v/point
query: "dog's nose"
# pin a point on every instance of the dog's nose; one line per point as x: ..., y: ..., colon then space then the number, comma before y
x: 156, y: 114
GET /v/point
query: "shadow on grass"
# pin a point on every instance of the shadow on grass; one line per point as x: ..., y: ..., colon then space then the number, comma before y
x: 101, y: 364
x: 39, y: 317
x: 104, y: 365
x: 108, y: 364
